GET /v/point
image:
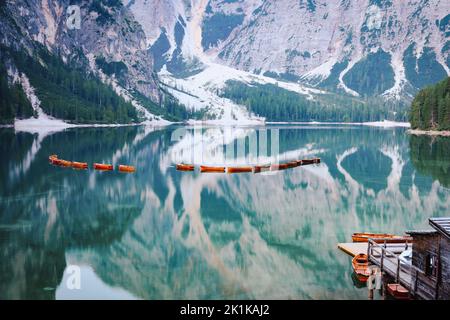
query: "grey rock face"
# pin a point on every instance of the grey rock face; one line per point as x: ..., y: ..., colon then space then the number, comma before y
x: 403, y: 45
x: 108, y: 33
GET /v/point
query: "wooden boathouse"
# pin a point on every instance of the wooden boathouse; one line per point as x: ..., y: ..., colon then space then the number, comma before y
x: 428, y: 276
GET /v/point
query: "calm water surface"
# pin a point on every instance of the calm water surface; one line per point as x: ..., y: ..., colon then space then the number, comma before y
x: 163, y: 234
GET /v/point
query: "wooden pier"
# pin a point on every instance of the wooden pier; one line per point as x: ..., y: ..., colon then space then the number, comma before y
x: 428, y: 275
x: 386, y: 256
x: 354, y: 248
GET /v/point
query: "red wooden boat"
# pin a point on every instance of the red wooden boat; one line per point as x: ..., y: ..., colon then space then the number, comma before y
x: 207, y: 169
x: 398, y: 291
x: 360, y: 264
x: 239, y: 169
x: 62, y: 163
x: 292, y: 164
x: 127, y: 169
x: 379, y: 237
x: 261, y: 168
x: 103, y: 167
x: 79, y: 165
x: 309, y: 161
x: 52, y: 158
x: 185, y: 167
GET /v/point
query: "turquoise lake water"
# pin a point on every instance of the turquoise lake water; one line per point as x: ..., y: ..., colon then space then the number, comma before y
x: 164, y: 234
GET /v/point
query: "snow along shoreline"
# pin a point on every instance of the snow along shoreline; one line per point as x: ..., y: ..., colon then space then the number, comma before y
x: 382, y: 124
x: 49, y: 124
x: 417, y: 132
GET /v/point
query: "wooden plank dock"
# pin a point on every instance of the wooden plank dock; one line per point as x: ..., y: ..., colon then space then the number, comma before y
x: 354, y: 248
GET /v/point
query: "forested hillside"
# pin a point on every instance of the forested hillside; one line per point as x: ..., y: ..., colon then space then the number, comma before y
x: 430, y: 109
x: 13, y: 102
x: 277, y: 104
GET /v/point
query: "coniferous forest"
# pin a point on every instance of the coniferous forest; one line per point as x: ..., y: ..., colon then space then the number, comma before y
x: 70, y: 93
x: 13, y: 102
x: 430, y: 109
x: 278, y: 104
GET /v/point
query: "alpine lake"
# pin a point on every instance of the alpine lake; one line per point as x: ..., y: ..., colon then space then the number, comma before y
x: 160, y: 233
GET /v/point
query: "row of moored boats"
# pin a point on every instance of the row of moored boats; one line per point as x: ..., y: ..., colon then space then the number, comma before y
x: 84, y: 166
x: 249, y: 169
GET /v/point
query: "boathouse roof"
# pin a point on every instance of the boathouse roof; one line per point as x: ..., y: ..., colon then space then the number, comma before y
x: 421, y: 232
x: 442, y: 225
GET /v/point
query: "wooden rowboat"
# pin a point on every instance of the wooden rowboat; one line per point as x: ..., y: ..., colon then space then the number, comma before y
x: 207, y: 169
x: 103, y: 167
x: 292, y: 164
x: 379, y: 237
x: 360, y: 264
x: 127, y: 169
x: 62, y: 163
x: 239, y: 169
x: 185, y: 167
x: 398, y: 291
x: 309, y: 161
x: 262, y: 168
x: 79, y: 165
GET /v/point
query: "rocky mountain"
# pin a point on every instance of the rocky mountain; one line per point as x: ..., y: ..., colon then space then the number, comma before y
x: 332, y: 53
x: 386, y: 48
x: 109, y: 44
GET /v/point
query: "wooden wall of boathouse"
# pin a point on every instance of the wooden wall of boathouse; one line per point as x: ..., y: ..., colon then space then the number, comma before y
x: 426, y: 283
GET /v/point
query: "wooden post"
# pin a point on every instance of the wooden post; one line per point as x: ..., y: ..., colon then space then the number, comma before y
x: 398, y: 271
x: 438, y: 269
x: 415, y: 282
x: 383, y: 290
x: 370, y: 294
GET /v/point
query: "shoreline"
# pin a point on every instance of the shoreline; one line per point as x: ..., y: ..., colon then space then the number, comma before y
x: 382, y: 124
x: 418, y: 132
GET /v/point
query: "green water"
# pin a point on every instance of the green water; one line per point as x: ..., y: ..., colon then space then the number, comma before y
x: 163, y: 234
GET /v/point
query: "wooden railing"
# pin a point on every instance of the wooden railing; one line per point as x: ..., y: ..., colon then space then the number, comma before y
x: 388, y: 261
x: 412, y: 278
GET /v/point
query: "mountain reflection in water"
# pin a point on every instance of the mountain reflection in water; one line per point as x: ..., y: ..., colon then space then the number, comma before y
x: 164, y: 234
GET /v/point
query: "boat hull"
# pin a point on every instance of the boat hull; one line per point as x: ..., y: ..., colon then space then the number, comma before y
x: 127, y: 169
x: 103, y: 167
x: 239, y: 169
x: 398, y: 291
x: 379, y: 238
x: 360, y: 264
x: 185, y: 167
x: 206, y: 169
x: 79, y: 165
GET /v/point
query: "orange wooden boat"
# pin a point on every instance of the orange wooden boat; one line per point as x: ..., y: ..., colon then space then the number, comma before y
x: 128, y: 169
x: 360, y: 264
x: 398, y: 291
x: 103, y: 167
x: 185, y: 167
x: 379, y: 237
x: 52, y: 158
x: 309, y: 161
x: 79, y: 165
x: 62, y: 163
x: 263, y: 168
x: 292, y: 164
x: 207, y: 169
x: 239, y: 169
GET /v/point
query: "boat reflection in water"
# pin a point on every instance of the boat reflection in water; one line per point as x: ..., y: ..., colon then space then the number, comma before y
x: 166, y: 234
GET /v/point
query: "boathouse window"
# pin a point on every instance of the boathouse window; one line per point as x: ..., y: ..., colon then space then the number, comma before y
x: 431, y: 265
